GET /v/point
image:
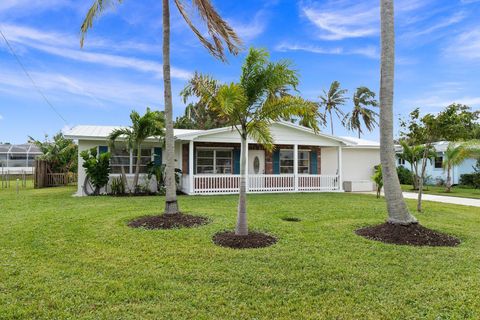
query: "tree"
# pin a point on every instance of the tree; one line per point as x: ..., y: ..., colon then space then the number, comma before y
x: 251, y: 105
x: 151, y: 124
x: 413, y: 155
x: 455, y: 154
x: 378, y: 179
x: 457, y: 122
x: 397, y: 209
x: 331, y: 102
x: 362, y: 98
x: 198, y: 116
x: 97, y: 168
x: 219, y: 31
x: 60, y: 153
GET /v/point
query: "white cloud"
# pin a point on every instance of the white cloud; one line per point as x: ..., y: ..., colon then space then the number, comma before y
x: 436, y: 101
x: 454, y: 19
x: 1, y: 117
x: 370, y: 51
x: 67, y: 46
x: 466, y: 45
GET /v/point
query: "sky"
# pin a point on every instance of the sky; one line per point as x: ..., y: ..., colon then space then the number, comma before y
x: 120, y: 67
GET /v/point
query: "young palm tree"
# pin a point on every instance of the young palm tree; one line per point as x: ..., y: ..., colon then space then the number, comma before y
x: 250, y: 106
x: 412, y: 155
x: 397, y: 209
x: 455, y: 154
x: 362, y: 98
x: 219, y: 31
x: 332, y: 100
x: 151, y: 124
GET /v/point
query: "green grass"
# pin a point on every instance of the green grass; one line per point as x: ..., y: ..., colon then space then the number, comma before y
x: 63, y: 257
x: 457, y: 191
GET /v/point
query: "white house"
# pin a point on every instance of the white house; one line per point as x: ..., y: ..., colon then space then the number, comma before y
x: 434, y: 170
x: 302, y: 161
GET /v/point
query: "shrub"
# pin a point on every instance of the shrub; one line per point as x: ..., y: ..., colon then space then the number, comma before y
x: 378, y: 179
x: 96, y: 167
x: 404, y: 175
x: 467, y: 179
x: 117, y: 186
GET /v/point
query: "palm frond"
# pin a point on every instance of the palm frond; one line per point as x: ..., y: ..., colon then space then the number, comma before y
x: 219, y: 30
x: 97, y: 8
x: 260, y: 132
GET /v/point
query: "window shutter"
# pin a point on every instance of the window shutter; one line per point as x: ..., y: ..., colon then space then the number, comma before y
x: 236, y: 161
x: 157, y: 156
x: 102, y: 149
x: 276, y: 162
x: 313, y: 162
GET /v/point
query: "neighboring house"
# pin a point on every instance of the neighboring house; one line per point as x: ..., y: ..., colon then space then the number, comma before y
x: 434, y: 170
x: 210, y: 159
x: 18, y: 158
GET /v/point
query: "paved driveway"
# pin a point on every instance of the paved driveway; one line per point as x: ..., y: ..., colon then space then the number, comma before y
x: 444, y: 199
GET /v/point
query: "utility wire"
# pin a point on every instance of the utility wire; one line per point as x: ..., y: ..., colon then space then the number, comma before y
x: 30, y: 77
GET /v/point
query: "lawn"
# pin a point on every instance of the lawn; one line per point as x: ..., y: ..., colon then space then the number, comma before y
x: 74, y: 258
x: 457, y: 191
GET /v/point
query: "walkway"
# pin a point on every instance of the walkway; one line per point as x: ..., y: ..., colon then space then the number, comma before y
x: 444, y: 199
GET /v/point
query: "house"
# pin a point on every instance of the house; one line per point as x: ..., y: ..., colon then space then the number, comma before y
x: 18, y: 158
x: 303, y: 161
x: 434, y: 171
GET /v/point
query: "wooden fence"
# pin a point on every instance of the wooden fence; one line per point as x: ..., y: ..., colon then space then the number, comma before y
x: 44, y: 177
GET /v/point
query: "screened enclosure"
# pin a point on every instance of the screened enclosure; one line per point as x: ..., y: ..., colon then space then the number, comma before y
x: 18, y: 157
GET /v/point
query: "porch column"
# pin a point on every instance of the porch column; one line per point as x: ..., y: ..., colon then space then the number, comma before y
x: 190, y: 167
x: 295, y: 166
x: 340, y: 166
x: 246, y: 167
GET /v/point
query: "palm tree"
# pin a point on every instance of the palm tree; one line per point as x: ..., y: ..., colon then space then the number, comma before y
x: 397, y: 209
x: 455, y: 154
x: 332, y: 100
x: 250, y: 106
x: 151, y: 124
x: 412, y: 155
x: 219, y: 31
x: 362, y: 98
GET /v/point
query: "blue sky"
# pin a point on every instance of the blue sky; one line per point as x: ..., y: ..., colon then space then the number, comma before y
x: 438, y: 56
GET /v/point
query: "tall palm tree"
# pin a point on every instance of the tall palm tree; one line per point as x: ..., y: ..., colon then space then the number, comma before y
x: 455, y: 154
x: 219, y: 31
x: 332, y: 100
x: 362, y: 98
x: 250, y: 106
x: 397, y: 209
x: 151, y: 124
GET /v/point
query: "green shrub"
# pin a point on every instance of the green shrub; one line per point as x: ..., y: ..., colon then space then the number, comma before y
x: 96, y: 167
x: 117, y: 186
x: 404, y: 175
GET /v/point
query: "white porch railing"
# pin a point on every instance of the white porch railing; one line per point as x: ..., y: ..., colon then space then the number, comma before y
x: 224, y: 184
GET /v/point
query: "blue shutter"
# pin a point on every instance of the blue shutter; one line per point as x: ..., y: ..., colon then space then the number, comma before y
x: 157, y: 156
x: 102, y: 149
x: 236, y: 161
x: 276, y: 162
x: 313, y: 162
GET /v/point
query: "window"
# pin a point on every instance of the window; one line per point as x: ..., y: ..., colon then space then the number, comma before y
x: 286, y: 161
x: 120, y: 158
x: 145, y: 158
x: 214, y: 161
x: 438, y: 162
x: 303, y: 161
x: 401, y: 162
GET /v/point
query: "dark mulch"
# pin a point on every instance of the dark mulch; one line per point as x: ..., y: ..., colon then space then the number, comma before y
x: 413, y: 235
x: 172, y: 221
x: 291, y: 219
x: 250, y: 241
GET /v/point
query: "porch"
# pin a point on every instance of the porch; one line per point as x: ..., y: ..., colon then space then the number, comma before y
x: 290, y: 168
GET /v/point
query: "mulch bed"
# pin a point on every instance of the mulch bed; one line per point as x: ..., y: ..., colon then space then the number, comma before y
x: 413, y: 235
x: 170, y: 221
x: 250, y: 241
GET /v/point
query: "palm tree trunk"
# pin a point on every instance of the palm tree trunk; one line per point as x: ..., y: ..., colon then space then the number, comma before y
x: 137, y: 169
x: 397, y: 209
x: 331, y: 120
x: 171, y: 205
x: 124, y: 178
x: 242, y: 228
x: 359, y: 134
x: 449, y: 179
x: 421, y: 180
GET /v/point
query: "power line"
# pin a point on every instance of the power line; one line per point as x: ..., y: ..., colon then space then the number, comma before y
x: 30, y: 77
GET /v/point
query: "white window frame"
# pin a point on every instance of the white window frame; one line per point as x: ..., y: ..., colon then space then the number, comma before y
x: 401, y: 162
x: 214, y: 149
x: 131, y: 157
x: 298, y: 159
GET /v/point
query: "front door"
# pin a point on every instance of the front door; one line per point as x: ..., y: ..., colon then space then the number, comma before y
x: 256, y: 161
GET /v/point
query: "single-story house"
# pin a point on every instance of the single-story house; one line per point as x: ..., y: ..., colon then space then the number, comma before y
x: 434, y: 171
x: 209, y: 160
